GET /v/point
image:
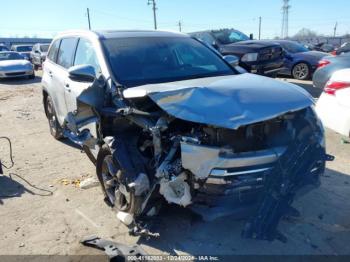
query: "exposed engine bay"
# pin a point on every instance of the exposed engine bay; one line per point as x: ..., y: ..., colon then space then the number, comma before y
x: 147, y: 156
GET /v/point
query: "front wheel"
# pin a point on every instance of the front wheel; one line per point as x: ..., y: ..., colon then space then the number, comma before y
x: 116, y: 193
x: 301, y: 71
x: 55, y: 127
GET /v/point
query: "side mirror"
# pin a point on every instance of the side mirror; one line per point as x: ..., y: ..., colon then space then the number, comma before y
x: 82, y: 73
x: 232, y: 60
x: 36, y: 51
x: 251, y: 37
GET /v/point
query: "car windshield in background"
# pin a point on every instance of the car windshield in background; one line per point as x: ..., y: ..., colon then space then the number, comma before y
x: 138, y: 61
x: 44, y: 48
x: 293, y: 48
x: 229, y: 36
x: 10, y: 56
x: 24, y: 48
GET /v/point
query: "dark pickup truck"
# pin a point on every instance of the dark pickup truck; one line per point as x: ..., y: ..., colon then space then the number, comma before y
x: 255, y: 56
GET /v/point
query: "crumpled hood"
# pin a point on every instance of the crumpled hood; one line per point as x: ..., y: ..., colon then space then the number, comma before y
x: 225, y: 101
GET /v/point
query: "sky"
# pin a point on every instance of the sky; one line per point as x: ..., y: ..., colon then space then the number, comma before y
x: 45, y: 18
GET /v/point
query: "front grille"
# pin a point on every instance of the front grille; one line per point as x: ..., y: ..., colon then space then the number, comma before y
x: 15, y: 74
x: 270, y: 53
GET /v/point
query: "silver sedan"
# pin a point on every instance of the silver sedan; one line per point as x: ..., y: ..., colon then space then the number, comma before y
x: 12, y: 65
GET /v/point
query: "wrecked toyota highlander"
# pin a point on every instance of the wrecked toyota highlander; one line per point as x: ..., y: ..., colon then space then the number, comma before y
x: 165, y: 118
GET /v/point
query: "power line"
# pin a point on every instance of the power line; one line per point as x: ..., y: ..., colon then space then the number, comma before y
x: 154, y: 7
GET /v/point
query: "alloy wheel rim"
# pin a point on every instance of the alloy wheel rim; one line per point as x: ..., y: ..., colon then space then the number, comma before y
x: 113, y: 188
x: 301, y: 71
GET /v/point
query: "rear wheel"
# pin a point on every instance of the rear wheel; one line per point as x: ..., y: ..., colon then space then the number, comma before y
x: 301, y: 71
x: 116, y: 193
x: 55, y: 128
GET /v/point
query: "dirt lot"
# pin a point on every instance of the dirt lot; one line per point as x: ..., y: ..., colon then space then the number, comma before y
x: 36, y: 222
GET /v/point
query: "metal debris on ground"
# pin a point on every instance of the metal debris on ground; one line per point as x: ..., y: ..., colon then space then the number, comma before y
x: 116, y: 251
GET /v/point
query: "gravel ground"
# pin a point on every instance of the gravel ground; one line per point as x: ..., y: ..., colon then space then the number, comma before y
x: 36, y: 221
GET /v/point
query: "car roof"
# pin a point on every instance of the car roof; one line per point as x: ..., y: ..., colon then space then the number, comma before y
x: 107, y: 34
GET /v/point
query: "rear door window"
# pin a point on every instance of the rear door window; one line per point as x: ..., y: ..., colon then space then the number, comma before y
x: 66, y: 52
x: 54, y: 50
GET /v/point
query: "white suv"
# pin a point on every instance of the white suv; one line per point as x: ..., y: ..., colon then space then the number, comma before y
x: 164, y: 117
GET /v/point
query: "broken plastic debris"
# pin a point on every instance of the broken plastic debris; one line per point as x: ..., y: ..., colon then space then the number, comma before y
x: 89, y: 183
x: 176, y: 191
x: 126, y: 218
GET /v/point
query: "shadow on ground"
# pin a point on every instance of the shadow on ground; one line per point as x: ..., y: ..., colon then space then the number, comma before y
x: 20, y: 81
x: 307, y: 85
x: 10, y: 188
x: 322, y: 227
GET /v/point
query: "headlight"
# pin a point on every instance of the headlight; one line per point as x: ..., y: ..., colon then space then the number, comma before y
x: 250, y: 57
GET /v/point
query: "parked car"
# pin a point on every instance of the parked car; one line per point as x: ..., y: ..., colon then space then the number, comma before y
x: 165, y: 118
x: 38, y: 54
x: 13, y: 65
x: 24, y: 50
x: 333, y: 106
x: 3, y: 48
x: 344, y: 48
x: 300, y: 62
x: 261, y: 57
x: 324, y: 47
x: 327, y: 66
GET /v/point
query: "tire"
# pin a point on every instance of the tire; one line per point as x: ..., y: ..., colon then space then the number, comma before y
x: 301, y: 71
x: 113, y: 196
x: 55, y: 127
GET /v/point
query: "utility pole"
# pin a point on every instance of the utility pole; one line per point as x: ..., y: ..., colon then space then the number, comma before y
x: 285, y: 19
x: 259, y: 27
x: 180, y: 25
x: 154, y: 7
x: 88, y: 16
x: 335, y: 28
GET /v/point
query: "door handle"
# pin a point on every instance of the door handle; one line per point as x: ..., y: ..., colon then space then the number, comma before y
x: 67, y: 87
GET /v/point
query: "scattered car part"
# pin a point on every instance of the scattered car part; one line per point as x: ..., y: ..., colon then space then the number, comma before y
x: 116, y: 251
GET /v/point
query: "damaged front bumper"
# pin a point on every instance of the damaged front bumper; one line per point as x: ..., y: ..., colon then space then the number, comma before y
x: 211, y: 161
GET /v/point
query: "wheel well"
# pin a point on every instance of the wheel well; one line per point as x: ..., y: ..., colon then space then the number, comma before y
x: 45, y: 96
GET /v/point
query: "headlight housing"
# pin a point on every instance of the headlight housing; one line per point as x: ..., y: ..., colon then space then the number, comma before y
x: 250, y: 57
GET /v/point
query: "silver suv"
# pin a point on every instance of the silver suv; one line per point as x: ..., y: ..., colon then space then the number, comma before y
x: 167, y: 119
